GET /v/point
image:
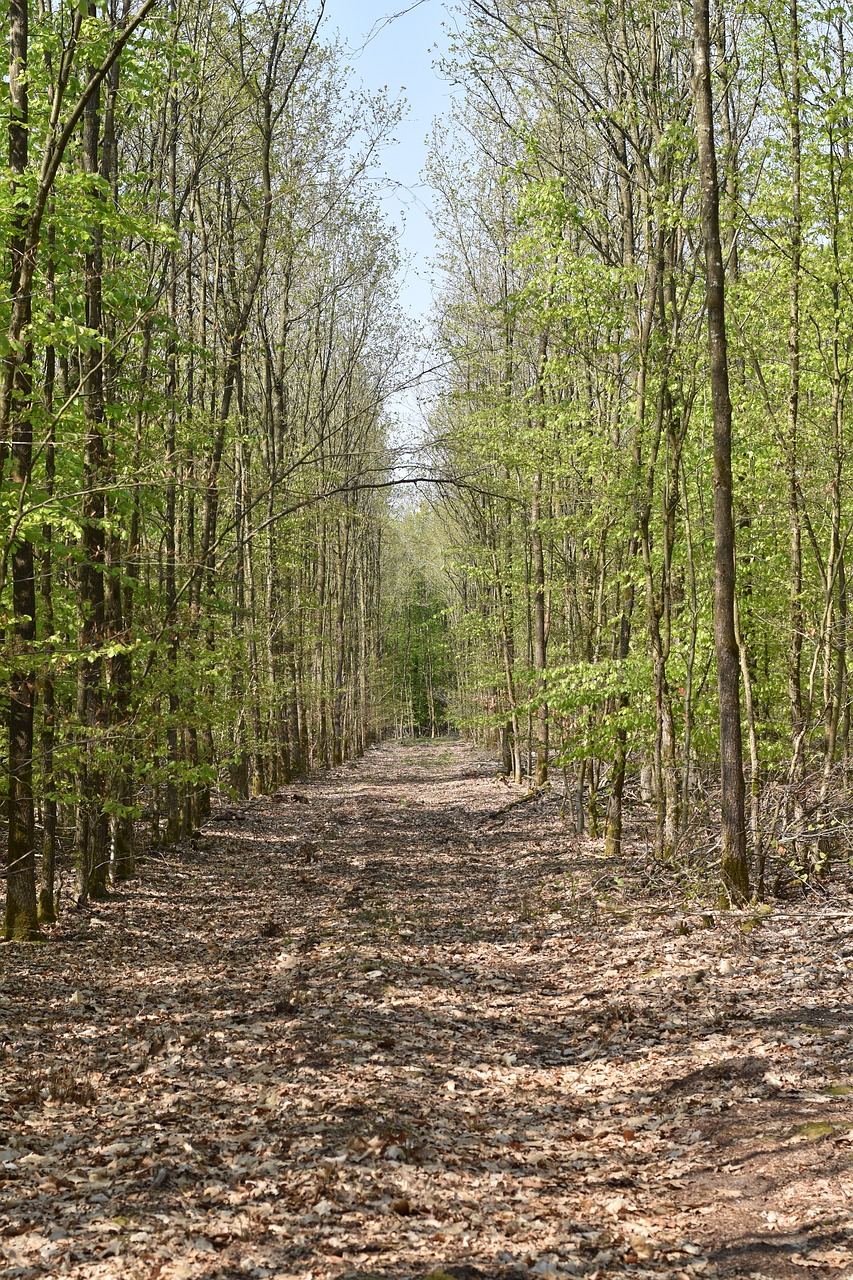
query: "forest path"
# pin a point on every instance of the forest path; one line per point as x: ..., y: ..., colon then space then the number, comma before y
x: 391, y: 1022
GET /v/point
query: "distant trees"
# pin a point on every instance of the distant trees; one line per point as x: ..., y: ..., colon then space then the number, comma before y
x: 418, y: 665
x: 578, y: 198
x: 200, y: 334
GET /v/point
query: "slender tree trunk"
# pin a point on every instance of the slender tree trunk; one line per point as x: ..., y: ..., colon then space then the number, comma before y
x: 687, y: 774
x: 734, y: 865
x: 613, y: 821
x: 796, y: 618
x: 174, y: 805
x: 21, y: 917
x: 613, y: 824
x: 92, y: 828
x: 758, y: 851
x: 540, y: 627
x: 47, y: 885
x: 117, y: 600
x: 123, y: 856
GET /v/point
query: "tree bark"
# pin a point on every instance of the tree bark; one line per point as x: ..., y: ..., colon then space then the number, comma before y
x: 734, y: 865
x: 21, y: 922
x: 92, y: 825
x: 47, y: 879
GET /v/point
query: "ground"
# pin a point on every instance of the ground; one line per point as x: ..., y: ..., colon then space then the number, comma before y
x: 400, y: 1020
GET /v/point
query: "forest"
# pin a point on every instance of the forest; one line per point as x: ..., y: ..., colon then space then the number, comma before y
x: 625, y: 564
x: 426, y: 854
x: 201, y: 562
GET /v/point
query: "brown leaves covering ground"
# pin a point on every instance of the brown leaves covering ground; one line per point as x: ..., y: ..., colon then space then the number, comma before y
x: 392, y: 1023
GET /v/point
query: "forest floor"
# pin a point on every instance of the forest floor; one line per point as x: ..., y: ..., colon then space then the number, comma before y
x: 391, y: 1023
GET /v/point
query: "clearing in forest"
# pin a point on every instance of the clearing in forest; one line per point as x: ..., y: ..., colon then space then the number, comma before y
x: 400, y: 1020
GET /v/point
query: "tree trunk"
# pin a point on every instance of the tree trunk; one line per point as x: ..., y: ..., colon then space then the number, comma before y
x: 91, y: 836
x: 734, y: 866
x: 21, y: 917
x: 47, y: 885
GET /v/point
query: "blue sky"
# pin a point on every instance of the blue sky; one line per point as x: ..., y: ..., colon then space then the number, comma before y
x: 398, y: 54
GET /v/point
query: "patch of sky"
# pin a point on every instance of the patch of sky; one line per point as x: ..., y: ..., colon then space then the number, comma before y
x: 393, y: 45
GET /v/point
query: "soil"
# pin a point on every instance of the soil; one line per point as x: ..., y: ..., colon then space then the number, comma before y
x: 403, y: 1020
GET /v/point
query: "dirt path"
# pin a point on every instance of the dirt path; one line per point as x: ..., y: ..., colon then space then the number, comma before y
x: 391, y: 1023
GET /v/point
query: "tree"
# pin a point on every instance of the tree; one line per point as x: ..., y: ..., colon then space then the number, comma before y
x: 734, y: 863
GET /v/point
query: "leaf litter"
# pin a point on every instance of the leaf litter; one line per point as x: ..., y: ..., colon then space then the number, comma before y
x: 400, y: 1021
